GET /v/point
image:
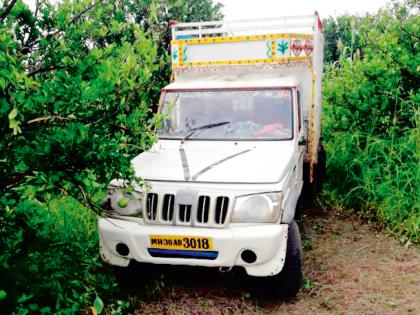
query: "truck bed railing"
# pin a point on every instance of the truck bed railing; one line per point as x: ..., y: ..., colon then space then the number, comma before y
x: 305, y: 24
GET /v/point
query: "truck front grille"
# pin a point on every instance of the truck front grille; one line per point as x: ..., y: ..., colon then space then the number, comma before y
x: 208, y: 211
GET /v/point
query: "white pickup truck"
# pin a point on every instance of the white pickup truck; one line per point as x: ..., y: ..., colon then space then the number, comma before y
x: 240, y: 136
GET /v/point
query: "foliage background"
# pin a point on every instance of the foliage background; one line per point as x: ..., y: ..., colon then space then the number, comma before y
x: 78, y: 85
x: 371, y: 103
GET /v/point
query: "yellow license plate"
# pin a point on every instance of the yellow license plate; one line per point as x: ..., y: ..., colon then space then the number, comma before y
x: 181, y: 242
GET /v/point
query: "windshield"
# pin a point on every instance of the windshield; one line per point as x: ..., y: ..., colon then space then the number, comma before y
x: 227, y: 114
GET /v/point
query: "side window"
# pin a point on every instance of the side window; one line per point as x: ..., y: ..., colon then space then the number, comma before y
x: 299, y: 110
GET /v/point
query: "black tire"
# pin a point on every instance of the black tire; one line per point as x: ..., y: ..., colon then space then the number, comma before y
x: 288, y: 282
x: 122, y: 276
x: 129, y: 276
x: 320, y: 169
x: 300, y: 207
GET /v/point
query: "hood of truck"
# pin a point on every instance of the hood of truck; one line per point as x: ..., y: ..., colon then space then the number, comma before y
x: 216, y: 161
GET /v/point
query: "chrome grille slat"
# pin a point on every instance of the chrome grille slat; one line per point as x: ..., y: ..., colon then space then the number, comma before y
x: 151, y: 206
x: 168, y: 207
x: 184, y: 213
x: 221, y: 209
x: 203, y: 209
x: 205, y: 215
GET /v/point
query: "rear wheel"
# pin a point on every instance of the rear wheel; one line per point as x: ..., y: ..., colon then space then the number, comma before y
x: 320, y: 169
x: 288, y: 282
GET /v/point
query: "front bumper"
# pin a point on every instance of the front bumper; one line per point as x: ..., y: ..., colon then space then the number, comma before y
x: 267, y: 241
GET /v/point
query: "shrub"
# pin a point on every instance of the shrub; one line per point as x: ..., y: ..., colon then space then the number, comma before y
x: 50, y: 261
x: 371, y: 122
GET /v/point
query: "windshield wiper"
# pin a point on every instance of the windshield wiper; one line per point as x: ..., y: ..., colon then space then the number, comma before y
x: 208, y: 126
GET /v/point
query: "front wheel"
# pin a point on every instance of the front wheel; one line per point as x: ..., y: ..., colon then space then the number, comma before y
x: 130, y: 276
x: 288, y: 282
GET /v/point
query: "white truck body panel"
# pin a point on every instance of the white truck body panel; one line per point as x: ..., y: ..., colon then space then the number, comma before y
x: 229, y: 243
x: 233, y: 80
x: 163, y: 161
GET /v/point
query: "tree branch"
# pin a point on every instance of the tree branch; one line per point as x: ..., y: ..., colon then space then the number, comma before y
x: 46, y: 69
x: 83, y: 12
x: 78, y: 16
x: 7, y: 9
x: 26, y: 49
x: 36, y: 8
x: 40, y: 119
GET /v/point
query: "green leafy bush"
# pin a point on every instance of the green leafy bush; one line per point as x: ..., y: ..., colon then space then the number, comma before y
x: 78, y: 84
x: 50, y: 261
x: 371, y: 122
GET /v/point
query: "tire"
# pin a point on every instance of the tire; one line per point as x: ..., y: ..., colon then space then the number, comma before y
x: 300, y: 207
x: 122, y: 276
x: 288, y: 282
x: 320, y: 169
x: 128, y: 277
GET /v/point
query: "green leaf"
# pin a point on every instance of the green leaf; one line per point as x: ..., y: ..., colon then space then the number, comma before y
x: 98, y: 305
x: 23, y: 298
x: 13, y: 113
x: 12, y: 124
x: 2, y: 83
x: 3, y: 294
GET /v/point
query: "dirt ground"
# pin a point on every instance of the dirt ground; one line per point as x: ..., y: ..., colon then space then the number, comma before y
x: 349, y: 269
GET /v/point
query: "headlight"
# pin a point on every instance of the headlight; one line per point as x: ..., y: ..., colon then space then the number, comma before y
x: 259, y: 208
x: 124, y: 203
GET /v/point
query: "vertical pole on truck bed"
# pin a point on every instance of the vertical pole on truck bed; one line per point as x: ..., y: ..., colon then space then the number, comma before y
x: 311, y: 65
x: 316, y: 101
x: 312, y: 127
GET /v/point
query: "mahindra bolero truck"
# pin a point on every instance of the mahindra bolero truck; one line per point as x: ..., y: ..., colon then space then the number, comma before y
x: 239, y: 139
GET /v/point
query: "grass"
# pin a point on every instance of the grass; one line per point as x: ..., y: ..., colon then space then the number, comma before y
x: 380, y: 180
x: 50, y: 260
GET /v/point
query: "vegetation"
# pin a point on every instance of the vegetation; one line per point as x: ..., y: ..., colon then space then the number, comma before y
x: 371, y: 97
x: 77, y: 84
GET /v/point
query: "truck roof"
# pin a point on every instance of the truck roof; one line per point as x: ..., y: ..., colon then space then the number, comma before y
x: 224, y: 81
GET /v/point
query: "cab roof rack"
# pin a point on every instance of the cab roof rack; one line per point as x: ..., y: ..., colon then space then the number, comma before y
x: 305, y: 24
